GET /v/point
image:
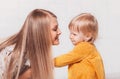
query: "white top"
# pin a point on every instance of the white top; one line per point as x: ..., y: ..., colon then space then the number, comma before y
x: 5, y: 56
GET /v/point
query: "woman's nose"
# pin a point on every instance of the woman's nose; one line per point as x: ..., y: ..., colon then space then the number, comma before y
x: 59, y: 32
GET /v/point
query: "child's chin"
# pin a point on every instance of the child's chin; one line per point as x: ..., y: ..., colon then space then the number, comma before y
x: 73, y: 43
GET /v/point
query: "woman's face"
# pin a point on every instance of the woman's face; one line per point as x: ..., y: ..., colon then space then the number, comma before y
x: 55, y: 31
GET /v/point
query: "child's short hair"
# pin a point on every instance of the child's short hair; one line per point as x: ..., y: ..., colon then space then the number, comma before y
x: 86, y: 23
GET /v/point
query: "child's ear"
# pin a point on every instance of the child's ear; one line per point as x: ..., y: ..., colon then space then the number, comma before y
x: 88, y: 38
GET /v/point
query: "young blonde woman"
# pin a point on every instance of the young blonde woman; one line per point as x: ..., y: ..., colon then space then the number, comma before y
x: 29, y: 50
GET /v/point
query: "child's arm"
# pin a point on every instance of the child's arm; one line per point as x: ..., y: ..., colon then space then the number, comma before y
x: 79, y: 52
x: 66, y: 59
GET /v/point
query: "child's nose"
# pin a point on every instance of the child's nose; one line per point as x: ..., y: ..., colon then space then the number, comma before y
x: 71, y: 36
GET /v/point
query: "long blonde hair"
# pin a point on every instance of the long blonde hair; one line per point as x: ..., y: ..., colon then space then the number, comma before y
x: 33, y: 41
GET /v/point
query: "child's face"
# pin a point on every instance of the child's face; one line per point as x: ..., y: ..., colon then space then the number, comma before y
x: 76, y: 37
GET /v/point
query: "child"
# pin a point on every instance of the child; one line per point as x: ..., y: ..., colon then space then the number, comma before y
x: 84, y: 61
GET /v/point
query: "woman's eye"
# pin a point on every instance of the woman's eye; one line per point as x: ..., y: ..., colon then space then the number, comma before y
x: 74, y: 34
x: 55, y: 29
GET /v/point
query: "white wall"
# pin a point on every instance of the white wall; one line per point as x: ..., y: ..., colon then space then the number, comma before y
x: 13, y: 14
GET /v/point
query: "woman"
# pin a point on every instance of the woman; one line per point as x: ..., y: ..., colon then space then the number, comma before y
x: 30, y: 49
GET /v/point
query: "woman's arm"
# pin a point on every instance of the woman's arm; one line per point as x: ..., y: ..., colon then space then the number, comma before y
x: 26, y: 75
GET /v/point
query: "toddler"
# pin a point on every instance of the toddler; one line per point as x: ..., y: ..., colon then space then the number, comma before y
x: 84, y: 61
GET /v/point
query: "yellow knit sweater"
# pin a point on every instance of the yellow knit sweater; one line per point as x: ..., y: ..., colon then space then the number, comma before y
x: 84, y: 62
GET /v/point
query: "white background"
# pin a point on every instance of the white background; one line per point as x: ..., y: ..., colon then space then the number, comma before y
x: 14, y: 12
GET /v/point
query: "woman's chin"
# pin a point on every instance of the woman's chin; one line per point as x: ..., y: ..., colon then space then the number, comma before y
x: 56, y: 43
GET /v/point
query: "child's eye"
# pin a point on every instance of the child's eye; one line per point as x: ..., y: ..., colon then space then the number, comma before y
x: 73, y: 34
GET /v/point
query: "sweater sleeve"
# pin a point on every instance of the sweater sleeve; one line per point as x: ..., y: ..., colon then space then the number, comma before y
x: 78, y: 53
